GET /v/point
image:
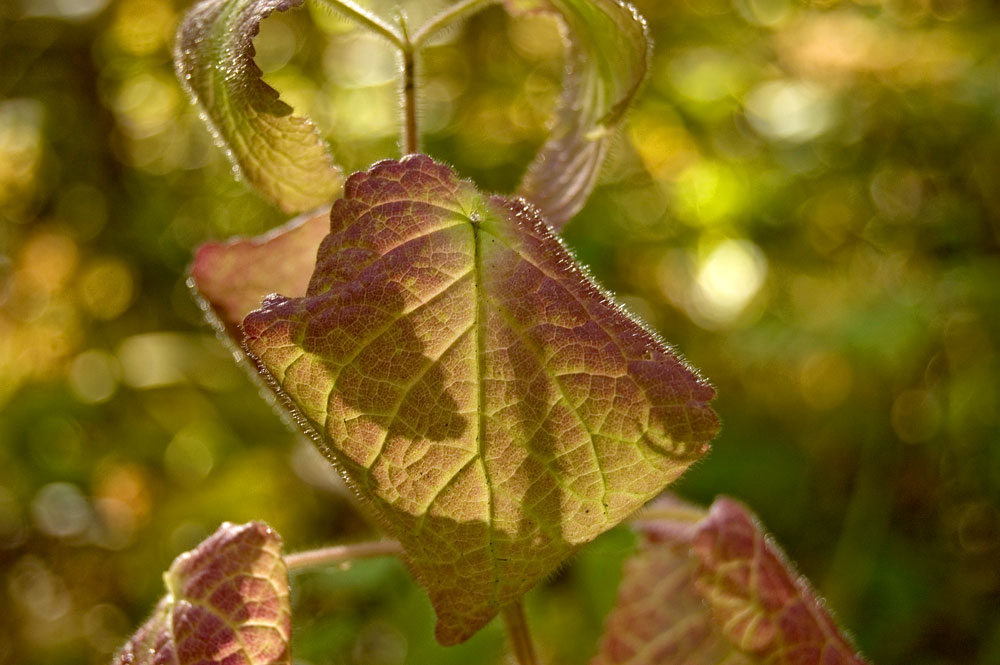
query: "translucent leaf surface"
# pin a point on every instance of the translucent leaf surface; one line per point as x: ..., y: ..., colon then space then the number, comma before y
x: 491, y: 404
x: 234, y: 276
x: 606, y: 61
x: 227, y: 602
x: 714, y: 588
x: 281, y: 155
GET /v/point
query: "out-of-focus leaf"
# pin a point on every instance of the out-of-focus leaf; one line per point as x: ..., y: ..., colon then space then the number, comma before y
x: 607, y: 56
x: 491, y: 404
x: 714, y: 588
x: 227, y: 602
x: 281, y: 155
x: 234, y: 276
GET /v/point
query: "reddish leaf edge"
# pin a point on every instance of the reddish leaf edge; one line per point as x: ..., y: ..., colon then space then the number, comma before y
x: 785, y: 624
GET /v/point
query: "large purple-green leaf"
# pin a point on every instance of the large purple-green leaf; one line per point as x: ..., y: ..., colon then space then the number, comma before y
x: 495, y: 409
x: 709, y: 588
x: 607, y: 55
x: 281, y: 155
x: 226, y: 604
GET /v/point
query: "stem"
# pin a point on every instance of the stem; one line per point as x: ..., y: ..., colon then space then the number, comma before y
x: 367, y: 19
x: 411, y: 139
x: 517, y: 631
x: 326, y: 556
x: 454, y: 13
x: 672, y: 513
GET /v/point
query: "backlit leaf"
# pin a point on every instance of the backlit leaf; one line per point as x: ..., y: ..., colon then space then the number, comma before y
x: 227, y: 602
x: 713, y: 587
x: 606, y: 61
x: 233, y: 277
x: 281, y: 155
x: 492, y: 406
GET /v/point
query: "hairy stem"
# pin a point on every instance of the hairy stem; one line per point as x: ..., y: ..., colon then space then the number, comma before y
x: 517, y: 631
x: 456, y: 12
x: 367, y: 19
x: 326, y: 556
x: 411, y: 139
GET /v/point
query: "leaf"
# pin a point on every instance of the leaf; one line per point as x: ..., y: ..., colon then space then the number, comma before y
x: 281, y: 155
x: 492, y: 405
x: 714, y: 588
x: 233, y: 276
x: 606, y: 62
x: 227, y: 602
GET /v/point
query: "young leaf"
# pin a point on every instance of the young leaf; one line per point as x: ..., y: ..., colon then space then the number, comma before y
x: 711, y: 588
x: 233, y: 276
x: 281, y: 155
x: 491, y: 404
x: 606, y: 61
x: 227, y: 602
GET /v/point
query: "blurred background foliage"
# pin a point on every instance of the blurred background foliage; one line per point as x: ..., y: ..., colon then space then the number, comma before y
x: 805, y: 201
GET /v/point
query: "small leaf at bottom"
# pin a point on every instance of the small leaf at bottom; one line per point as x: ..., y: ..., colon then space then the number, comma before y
x: 226, y: 603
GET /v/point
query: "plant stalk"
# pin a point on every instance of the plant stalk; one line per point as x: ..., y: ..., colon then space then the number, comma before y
x: 411, y: 139
x: 517, y: 631
x: 368, y: 20
x: 327, y: 556
x: 456, y: 12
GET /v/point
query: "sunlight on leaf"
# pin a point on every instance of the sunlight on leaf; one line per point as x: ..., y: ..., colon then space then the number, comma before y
x: 227, y: 602
x: 606, y: 61
x: 712, y: 587
x: 281, y: 155
x: 492, y: 405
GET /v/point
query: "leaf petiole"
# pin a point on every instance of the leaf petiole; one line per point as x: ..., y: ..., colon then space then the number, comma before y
x: 517, y: 630
x: 456, y: 12
x: 366, y: 18
x: 411, y: 138
x: 327, y: 556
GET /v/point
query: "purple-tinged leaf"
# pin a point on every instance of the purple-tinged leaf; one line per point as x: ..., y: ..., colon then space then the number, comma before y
x: 713, y: 587
x: 281, y: 155
x: 226, y: 603
x: 232, y: 277
x: 492, y: 405
x: 607, y: 57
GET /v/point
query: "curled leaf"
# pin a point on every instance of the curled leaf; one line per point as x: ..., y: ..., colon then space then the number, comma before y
x: 492, y: 405
x: 714, y: 588
x: 606, y: 61
x: 281, y: 155
x: 232, y: 277
x: 226, y: 603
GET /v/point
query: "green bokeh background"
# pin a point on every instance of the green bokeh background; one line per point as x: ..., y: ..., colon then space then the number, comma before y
x: 805, y: 201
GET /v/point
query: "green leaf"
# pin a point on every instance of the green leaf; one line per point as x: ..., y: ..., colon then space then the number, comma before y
x: 227, y: 602
x: 232, y: 277
x: 606, y: 61
x: 711, y: 588
x: 492, y: 406
x: 281, y: 155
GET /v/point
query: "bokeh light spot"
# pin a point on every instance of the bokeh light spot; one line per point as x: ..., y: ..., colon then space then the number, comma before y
x: 93, y: 376
x: 794, y: 111
x: 727, y: 279
x: 106, y: 288
x: 189, y: 457
x: 61, y: 510
x: 708, y: 192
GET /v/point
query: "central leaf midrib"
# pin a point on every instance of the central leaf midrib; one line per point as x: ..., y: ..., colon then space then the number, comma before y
x: 477, y: 270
